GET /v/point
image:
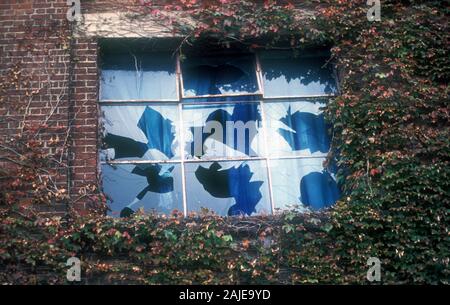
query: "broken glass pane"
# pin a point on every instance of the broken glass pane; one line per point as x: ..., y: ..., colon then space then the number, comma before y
x: 140, y: 132
x: 296, y: 128
x: 138, y: 77
x: 303, y: 182
x: 153, y: 187
x: 219, y: 75
x: 286, y: 75
x: 227, y: 130
x: 228, y: 188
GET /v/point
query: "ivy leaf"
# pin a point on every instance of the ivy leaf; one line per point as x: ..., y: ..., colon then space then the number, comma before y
x: 327, y: 227
x: 168, y: 234
x: 227, y: 238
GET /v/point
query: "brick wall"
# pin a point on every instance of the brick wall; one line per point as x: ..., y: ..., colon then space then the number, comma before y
x: 54, y: 81
x: 85, y: 118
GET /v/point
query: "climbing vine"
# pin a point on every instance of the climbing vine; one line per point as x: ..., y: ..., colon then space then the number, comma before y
x: 391, y: 140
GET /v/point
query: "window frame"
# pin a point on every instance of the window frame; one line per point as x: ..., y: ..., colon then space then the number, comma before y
x: 260, y: 100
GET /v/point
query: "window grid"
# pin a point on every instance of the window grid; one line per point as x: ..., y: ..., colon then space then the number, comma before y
x: 183, y: 160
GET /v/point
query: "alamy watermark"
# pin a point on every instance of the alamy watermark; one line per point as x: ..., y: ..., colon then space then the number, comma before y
x: 374, y: 11
x: 74, y: 272
x: 236, y: 134
x: 74, y: 11
x: 374, y: 272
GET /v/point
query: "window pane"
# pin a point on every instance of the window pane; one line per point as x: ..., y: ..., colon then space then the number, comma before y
x: 303, y: 182
x: 285, y: 75
x: 138, y: 77
x: 140, y: 132
x: 150, y: 186
x: 227, y: 130
x: 296, y: 128
x: 219, y: 75
x: 228, y: 188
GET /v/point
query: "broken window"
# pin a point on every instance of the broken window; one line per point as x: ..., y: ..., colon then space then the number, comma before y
x: 219, y: 75
x: 225, y: 130
x: 151, y: 186
x: 287, y: 75
x: 140, y: 132
x: 138, y: 77
x: 297, y: 128
x: 240, y: 134
x: 228, y: 187
x: 304, y: 182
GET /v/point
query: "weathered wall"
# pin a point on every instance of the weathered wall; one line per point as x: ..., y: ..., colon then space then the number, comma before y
x: 34, y: 68
x: 49, y: 83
